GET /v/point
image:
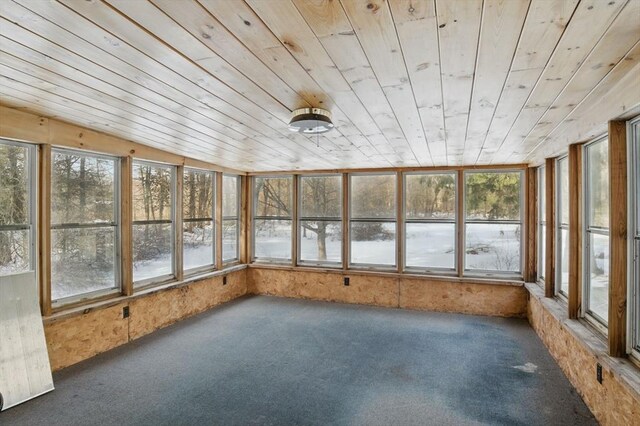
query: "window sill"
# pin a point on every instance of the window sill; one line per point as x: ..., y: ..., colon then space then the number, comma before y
x: 625, y: 370
x: 72, y: 311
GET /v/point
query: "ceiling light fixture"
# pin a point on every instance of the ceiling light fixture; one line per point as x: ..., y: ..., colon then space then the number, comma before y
x: 310, y: 121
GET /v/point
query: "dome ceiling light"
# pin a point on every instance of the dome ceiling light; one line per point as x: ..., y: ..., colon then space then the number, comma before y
x: 310, y: 121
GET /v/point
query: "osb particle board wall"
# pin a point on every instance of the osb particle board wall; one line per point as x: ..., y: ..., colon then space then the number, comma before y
x: 73, y: 339
x: 616, y: 401
x: 468, y: 297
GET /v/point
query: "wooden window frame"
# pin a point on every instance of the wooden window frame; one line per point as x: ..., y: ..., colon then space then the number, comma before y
x: 300, y: 218
x: 80, y: 298
x: 601, y: 324
x: 395, y: 220
x: 522, y: 222
x: 213, y: 265
x: 176, y: 230
x: 238, y: 218
x: 254, y: 217
x: 432, y: 270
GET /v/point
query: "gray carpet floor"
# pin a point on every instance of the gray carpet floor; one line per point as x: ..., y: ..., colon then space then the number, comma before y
x: 271, y: 361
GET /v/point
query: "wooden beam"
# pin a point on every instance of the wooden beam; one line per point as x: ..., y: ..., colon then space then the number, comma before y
x: 345, y: 222
x: 244, y: 223
x: 550, y: 214
x: 178, y: 246
x: 218, y: 221
x: 460, y: 223
x: 575, y: 230
x: 294, y: 219
x: 399, y: 222
x: 530, y: 272
x: 126, y: 221
x: 44, y: 228
x: 618, y: 238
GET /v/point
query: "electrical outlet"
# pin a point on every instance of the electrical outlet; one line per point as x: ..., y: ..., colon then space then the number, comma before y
x: 125, y: 312
x: 599, y: 373
x: 224, y: 280
x: 346, y: 281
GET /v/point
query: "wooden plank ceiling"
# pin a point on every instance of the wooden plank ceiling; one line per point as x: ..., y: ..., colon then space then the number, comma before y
x: 409, y: 82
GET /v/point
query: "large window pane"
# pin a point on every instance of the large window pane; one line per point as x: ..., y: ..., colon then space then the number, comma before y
x: 320, y: 198
x: 493, y: 221
x: 598, y: 184
x: 16, y: 174
x: 15, y: 248
x: 230, y: 199
x: 596, y: 249
x: 430, y: 196
x: 273, y: 197
x: 542, y: 223
x: 229, y: 240
x: 14, y: 184
x: 373, y: 219
x: 83, y: 260
x: 373, y: 243
x: 152, y: 251
x: 84, y: 224
x: 373, y: 196
x: 563, y: 190
x: 272, y: 239
x: 542, y: 264
x: 198, y: 244
x: 563, y: 259
x: 153, y: 242
x: 198, y: 224
x: 493, y: 247
x: 598, y: 264
x: 430, y: 245
x: 320, y: 241
x: 152, y: 192
x: 493, y: 195
x: 82, y: 189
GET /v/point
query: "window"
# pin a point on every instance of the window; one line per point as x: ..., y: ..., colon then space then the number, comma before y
x: 320, y: 223
x: 634, y: 252
x: 542, y: 223
x: 153, y: 222
x: 493, y: 221
x: 17, y: 207
x: 372, y: 219
x: 596, y: 241
x: 84, y: 224
x: 562, y: 226
x: 430, y: 221
x: 230, y: 217
x: 272, y: 218
x: 198, y: 227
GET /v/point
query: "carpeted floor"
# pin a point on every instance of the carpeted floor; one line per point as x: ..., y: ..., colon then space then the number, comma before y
x: 271, y: 361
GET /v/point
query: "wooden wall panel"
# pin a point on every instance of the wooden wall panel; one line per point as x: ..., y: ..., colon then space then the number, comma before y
x: 73, y: 337
x: 464, y: 298
x: 577, y: 351
x: 71, y: 340
x: 327, y: 286
x: 391, y: 290
x: 164, y: 308
x: 618, y: 238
